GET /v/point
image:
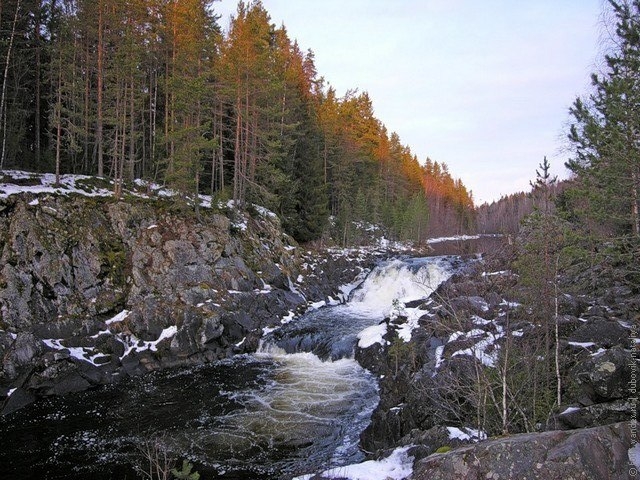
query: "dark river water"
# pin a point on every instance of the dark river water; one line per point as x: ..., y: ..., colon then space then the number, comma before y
x: 296, y: 407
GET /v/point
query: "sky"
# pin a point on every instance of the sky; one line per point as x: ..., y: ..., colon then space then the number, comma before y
x: 483, y: 86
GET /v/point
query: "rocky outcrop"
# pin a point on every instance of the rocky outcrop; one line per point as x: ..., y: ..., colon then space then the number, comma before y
x: 597, y: 453
x: 449, y: 376
x: 94, y: 288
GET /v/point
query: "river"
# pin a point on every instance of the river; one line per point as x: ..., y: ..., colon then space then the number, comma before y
x: 296, y: 406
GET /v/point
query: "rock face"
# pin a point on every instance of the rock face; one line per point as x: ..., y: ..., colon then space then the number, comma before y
x: 435, y: 385
x: 587, y: 454
x: 90, y: 288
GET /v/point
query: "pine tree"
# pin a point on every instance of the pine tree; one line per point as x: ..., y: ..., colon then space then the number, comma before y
x: 605, y: 133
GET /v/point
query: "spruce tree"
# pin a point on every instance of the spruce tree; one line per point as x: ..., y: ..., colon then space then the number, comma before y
x: 605, y: 133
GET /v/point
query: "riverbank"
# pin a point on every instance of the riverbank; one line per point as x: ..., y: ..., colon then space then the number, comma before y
x: 475, y: 367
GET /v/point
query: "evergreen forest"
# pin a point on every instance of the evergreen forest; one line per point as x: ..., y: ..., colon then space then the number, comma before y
x: 156, y: 89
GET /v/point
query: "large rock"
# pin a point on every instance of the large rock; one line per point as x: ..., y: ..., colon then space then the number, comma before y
x: 599, y: 453
x: 594, y: 415
x: 70, y: 264
x: 606, y: 333
x: 606, y: 376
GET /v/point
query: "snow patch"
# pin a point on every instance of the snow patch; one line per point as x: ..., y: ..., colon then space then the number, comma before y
x: 634, y: 455
x: 132, y: 343
x: 582, y: 344
x: 493, y: 274
x: 397, y: 466
x: 507, y: 304
x: 439, y: 357
x: 372, y: 335
x: 449, y: 239
x: 118, y: 318
x: 466, y: 433
x: 317, y: 305
x: 86, y: 354
x: 485, y: 349
x: 570, y: 410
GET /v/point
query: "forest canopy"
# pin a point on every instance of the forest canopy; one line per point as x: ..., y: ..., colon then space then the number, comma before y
x: 155, y: 89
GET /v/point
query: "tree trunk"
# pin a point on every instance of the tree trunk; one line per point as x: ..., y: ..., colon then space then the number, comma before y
x: 635, y: 196
x: 557, y: 335
x: 132, y: 137
x: 38, y: 74
x: 58, y: 118
x: 86, y: 111
x: 237, y: 153
x: 99, y: 125
x: 3, y: 98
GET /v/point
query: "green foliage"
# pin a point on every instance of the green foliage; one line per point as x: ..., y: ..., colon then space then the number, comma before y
x: 156, y: 90
x: 402, y: 353
x: 185, y: 472
x: 443, y: 449
x: 604, y: 136
x: 113, y: 260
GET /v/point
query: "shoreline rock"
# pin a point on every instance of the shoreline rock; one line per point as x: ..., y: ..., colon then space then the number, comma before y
x: 93, y: 289
x: 585, y: 454
x: 435, y: 380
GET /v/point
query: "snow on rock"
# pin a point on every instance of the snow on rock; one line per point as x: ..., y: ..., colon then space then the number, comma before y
x: 582, y: 344
x: 265, y: 212
x: 86, y: 354
x: 479, y: 320
x: 397, y: 466
x: 466, y: 433
x: 449, y: 239
x: 439, y: 357
x: 100, y: 187
x: 508, y: 304
x: 493, y: 274
x: 412, y: 315
x: 570, y: 410
x: 372, y: 335
x: 288, y: 318
x: 132, y: 343
x: 634, y: 455
x: 481, y: 349
x: 317, y: 305
x: 485, y: 349
x: 118, y: 318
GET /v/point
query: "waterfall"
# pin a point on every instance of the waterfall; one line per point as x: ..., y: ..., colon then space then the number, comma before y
x: 402, y: 281
x: 331, y: 332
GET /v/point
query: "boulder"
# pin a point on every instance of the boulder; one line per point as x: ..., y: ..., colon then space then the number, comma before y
x: 19, y: 398
x: 471, y: 305
x: 20, y: 354
x: 606, y: 333
x: 424, y: 443
x: 586, y: 454
x: 605, y: 376
x: 594, y: 415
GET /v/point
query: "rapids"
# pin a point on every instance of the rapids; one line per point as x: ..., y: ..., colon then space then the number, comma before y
x: 296, y: 406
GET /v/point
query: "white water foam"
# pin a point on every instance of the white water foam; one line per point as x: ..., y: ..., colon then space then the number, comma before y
x: 398, y: 282
x: 302, y: 395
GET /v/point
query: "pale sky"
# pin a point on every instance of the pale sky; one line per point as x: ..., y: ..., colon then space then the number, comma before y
x: 483, y: 86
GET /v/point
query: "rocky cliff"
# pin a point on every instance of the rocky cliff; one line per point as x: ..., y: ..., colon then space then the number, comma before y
x: 92, y: 288
x: 477, y: 366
